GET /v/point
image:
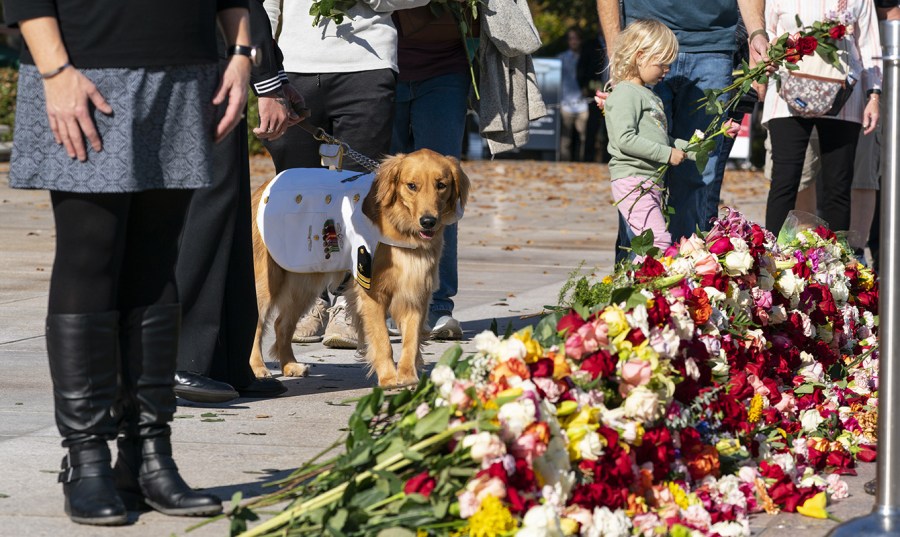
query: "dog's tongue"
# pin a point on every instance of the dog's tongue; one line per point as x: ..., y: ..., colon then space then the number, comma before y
x: 426, y: 233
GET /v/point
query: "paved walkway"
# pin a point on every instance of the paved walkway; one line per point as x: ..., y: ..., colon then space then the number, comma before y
x: 528, y: 227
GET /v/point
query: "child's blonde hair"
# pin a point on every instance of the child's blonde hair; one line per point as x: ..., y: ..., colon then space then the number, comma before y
x: 651, y: 37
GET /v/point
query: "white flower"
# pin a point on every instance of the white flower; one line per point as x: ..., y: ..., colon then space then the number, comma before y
x: 684, y: 325
x: 786, y: 461
x: 691, y: 369
x: 553, y: 466
x: 698, y: 136
x: 811, y: 419
x: 540, y: 521
x: 740, y: 245
x: 516, y: 416
x: 487, y: 342
x: 748, y: 474
x: 638, y: 318
x: 422, y: 410
x: 590, y: 446
x: 642, y: 404
x: 840, y: 291
x: 511, y: 348
x: 441, y: 375
x: 606, y: 523
x: 788, y: 284
x: 777, y: 315
x: 731, y: 529
x: 665, y: 342
x: 729, y: 488
x: 484, y: 445
x: 697, y: 516
x: 837, y: 487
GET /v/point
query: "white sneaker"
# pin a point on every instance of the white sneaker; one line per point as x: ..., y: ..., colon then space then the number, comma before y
x: 311, y: 326
x: 444, y: 326
x: 340, y: 332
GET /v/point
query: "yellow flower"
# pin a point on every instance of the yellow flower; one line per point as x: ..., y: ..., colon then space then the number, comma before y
x: 729, y: 446
x: 492, y: 519
x: 815, y: 506
x: 615, y: 319
x: 866, y: 278
x: 533, y: 349
x: 569, y: 526
x: 566, y: 407
x: 680, y: 497
x: 607, y: 280
x: 756, y: 408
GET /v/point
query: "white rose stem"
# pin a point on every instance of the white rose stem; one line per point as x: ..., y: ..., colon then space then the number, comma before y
x: 885, y: 516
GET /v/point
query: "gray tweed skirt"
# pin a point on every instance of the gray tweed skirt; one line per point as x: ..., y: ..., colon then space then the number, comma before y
x: 159, y: 136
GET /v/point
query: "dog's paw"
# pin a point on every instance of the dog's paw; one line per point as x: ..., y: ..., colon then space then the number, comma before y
x: 295, y: 370
x: 407, y: 379
x: 261, y: 372
x: 388, y: 381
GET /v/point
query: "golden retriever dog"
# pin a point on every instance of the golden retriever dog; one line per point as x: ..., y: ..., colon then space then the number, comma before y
x: 412, y: 198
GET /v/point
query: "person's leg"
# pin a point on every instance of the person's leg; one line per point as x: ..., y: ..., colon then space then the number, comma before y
x: 438, y: 122
x: 581, y: 129
x: 151, y: 319
x: 837, y: 141
x: 401, y: 138
x: 790, y: 138
x: 591, y: 134
x: 640, y: 203
x: 82, y: 332
x: 866, y: 169
x: 566, y: 125
x: 693, y: 196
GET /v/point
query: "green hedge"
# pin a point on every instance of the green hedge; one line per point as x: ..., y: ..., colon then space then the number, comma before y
x: 8, y: 79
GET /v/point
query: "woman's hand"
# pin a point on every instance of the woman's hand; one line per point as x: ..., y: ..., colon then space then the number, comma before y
x: 870, y: 114
x: 676, y: 157
x: 232, y: 88
x: 70, y: 95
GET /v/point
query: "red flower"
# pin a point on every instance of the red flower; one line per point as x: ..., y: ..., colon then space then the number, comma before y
x: 420, y: 484
x: 659, y: 313
x: 792, y: 55
x: 570, y: 322
x: 651, y: 268
x: 722, y: 245
x: 599, y: 364
x: 825, y: 233
x: 838, y: 32
x: 656, y: 447
x: 541, y: 368
x: 866, y: 453
x: 807, y: 45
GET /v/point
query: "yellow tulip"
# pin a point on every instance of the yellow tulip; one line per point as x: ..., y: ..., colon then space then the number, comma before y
x: 815, y: 506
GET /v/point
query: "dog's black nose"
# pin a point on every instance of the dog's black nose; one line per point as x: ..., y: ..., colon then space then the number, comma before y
x: 428, y: 222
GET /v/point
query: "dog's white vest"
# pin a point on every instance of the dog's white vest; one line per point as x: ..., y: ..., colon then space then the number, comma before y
x: 311, y: 220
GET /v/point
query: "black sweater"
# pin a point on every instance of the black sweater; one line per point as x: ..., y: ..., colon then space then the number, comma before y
x: 129, y: 33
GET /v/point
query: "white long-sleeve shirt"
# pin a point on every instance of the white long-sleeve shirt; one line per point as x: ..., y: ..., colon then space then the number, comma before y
x: 365, y: 41
x: 862, y: 38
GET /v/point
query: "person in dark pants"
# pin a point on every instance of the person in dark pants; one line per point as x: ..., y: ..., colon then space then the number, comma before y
x: 215, y: 267
x: 142, y: 92
x: 592, y: 76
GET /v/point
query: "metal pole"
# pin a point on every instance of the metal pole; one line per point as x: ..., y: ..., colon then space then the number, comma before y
x: 885, y: 516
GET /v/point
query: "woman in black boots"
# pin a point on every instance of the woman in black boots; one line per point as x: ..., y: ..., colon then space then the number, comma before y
x: 137, y: 81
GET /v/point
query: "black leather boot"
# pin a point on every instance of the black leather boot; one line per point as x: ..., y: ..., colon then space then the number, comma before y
x: 145, y: 472
x: 82, y: 349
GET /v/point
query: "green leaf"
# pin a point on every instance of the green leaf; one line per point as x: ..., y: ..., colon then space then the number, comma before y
x: 494, y: 328
x: 451, y: 356
x: 545, y: 331
x: 433, y: 423
x: 413, y: 455
x: 701, y: 160
x: 337, y: 521
x: 361, y: 456
x: 642, y: 243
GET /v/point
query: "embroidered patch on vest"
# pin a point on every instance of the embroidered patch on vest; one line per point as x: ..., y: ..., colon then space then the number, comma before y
x: 364, y: 268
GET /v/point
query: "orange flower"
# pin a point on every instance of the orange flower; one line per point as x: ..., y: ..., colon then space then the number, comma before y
x: 699, y: 306
x: 705, y: 462
x: 561, y: 367
x: 510, y: 368
x: 540, y: 430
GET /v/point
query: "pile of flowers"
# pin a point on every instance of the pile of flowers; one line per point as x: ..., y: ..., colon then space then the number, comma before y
x: 727, y: 376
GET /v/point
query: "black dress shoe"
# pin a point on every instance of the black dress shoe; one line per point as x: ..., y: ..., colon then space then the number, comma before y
x: 200, y: 389
x: 870, y: 486
x: 262, y: 388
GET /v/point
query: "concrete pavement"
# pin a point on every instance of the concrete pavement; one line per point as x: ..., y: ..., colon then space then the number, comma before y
x: 529, y: 225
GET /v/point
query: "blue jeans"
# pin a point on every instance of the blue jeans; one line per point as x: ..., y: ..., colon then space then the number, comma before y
x: 431, y: 114
x: 693, y: 195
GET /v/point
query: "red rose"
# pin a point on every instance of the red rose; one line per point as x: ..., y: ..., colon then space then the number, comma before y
x: 651, y: 268
x: 659, y: 313
x: 807, y: 45
x: 866, y: 453
x: 420, y: 484
x: 739, y: 387
x: 722, y: 245
x: 570, y: 322
x: 656, y: 447
x: 541, y: 368
x: 841, y: 462
x: 599, y: 364
x: 825, y: 233
x: 838, y: 32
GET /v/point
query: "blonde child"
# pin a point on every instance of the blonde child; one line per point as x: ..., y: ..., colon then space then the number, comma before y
x: 639, y: 142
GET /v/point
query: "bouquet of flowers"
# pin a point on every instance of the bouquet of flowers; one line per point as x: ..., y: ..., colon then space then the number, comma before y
x: 730, y: 375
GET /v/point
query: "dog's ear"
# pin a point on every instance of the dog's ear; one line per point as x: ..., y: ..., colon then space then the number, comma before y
x: 386, y: 180
x: 459, y: 195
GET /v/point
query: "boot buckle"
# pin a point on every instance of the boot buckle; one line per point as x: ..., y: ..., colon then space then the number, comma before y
x: 65, y: 475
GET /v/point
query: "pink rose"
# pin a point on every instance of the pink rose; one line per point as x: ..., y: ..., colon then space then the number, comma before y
x: 758, y: 385
x: 458, y: 395
x: 706, y: 265
x: 575, y: 346
x: 634, y: 373
x: 787, y: 403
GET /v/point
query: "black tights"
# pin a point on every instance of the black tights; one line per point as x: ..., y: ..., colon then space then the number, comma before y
x: 115, y: 251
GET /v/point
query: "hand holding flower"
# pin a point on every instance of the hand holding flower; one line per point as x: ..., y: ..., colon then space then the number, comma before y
x: 676, y: 157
